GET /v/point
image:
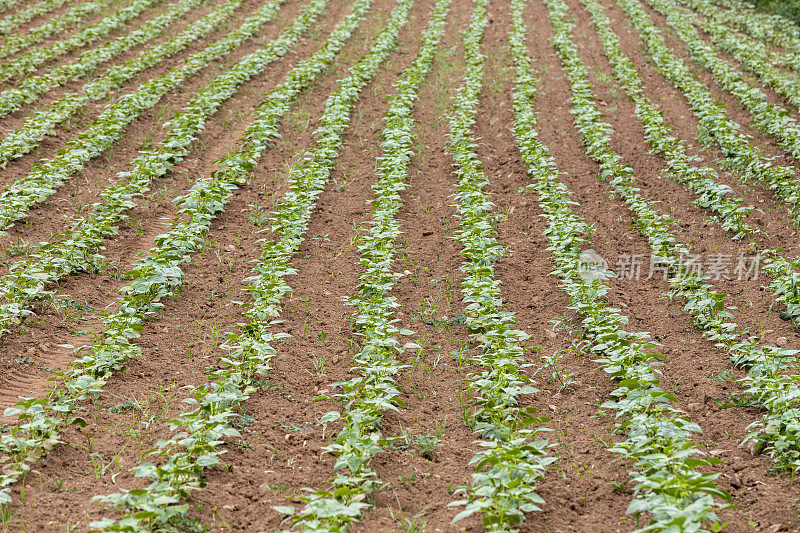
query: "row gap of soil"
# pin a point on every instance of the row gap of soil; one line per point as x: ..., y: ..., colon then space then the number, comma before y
x: 692, y: 366
x: 151, y: 218
x: 31, y: 351
x: 73, y: 200
x: 196, y: 323
x: 67, y: 32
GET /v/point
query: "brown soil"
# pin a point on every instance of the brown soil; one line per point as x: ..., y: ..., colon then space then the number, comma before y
x: 145, y: 132
x: 67, y: 32
x: 279, y: 452
x: 132, y: 25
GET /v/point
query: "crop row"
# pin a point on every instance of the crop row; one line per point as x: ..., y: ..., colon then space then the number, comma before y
x: 74, y: 15
x: 31, y: 88
x: 156, y: 276
x: 671, y: 488
x: 512, y: 456
x: 107, y: 127
x: 11, y: 22
x: 32, y: 59
x: 771, y: 383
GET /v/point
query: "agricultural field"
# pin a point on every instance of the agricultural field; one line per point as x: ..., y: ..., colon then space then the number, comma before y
x: 399, y: 265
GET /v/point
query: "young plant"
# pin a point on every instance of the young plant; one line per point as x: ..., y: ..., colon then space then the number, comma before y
x: 32, y: 87
x: 512, y: 457
x: 659, y: 438
x: 373, y: 390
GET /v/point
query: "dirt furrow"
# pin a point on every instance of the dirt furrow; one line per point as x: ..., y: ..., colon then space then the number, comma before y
x: 136, y: 237
x: 191, y: 331
x: 693, y: 370
x: 144, y: 133
x: 694, y: 225
x: 68, y: 32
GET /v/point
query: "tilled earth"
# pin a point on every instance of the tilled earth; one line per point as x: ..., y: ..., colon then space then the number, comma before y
x: 280, y: 448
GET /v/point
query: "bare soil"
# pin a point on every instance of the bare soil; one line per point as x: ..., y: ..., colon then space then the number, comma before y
x: 280, y: 450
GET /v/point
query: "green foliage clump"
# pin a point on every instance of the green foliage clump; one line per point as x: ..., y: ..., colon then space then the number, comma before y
x: 786, y: 8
